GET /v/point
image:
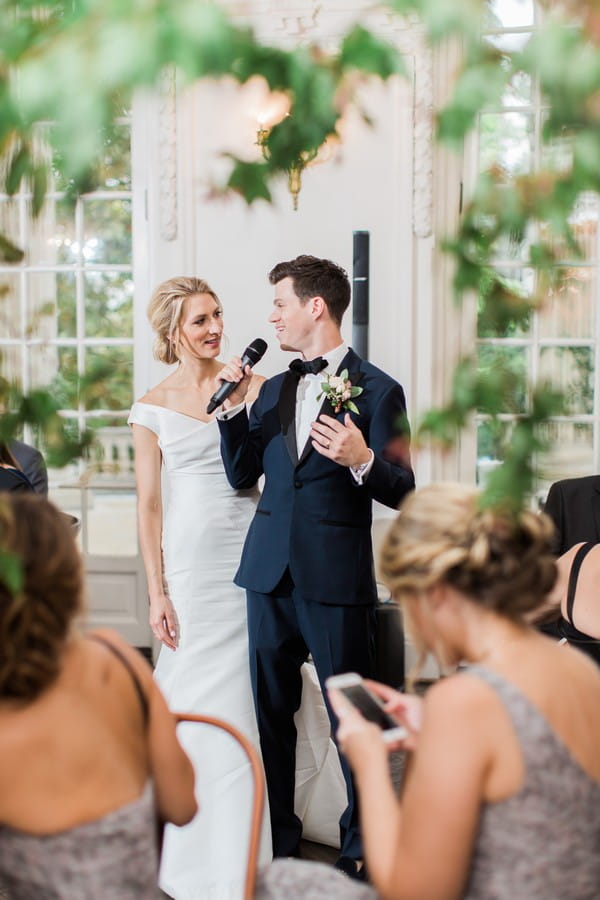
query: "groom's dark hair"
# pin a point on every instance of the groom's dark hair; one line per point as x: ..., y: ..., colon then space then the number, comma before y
x: 314, y: 277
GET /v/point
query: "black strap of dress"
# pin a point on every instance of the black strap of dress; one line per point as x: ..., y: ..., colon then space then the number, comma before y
x: 573, y: 576
x: 136, y: 681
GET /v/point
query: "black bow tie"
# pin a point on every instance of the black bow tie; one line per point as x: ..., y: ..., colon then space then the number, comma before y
x: 302, y: 367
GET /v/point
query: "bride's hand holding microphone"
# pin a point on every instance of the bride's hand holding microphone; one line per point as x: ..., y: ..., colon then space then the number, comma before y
x: 240, y: 377
x: 233, y: 380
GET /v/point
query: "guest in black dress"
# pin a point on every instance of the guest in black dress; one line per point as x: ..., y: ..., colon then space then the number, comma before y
x: 572, y: 610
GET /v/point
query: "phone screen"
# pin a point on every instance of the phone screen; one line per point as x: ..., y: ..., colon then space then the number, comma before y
x: 366, y: 704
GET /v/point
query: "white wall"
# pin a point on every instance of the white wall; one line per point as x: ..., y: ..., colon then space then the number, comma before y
x: 364, y: 187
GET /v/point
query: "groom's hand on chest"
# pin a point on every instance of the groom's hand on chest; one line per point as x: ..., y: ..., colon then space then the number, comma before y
x: 341, y: 442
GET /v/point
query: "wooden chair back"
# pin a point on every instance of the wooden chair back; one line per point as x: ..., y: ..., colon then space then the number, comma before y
x: 258, y: 799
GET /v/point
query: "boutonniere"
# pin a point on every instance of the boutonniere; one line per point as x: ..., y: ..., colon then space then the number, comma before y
x: 340, y: 392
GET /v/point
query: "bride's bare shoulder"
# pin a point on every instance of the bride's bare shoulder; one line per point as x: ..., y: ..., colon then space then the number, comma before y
x: 159, y: 394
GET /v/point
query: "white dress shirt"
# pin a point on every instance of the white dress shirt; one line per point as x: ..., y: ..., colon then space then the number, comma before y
x: 309, y: 388
x: 307, y: 407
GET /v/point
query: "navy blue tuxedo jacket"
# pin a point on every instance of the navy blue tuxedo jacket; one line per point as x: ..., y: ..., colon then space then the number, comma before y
x: 312, y: 515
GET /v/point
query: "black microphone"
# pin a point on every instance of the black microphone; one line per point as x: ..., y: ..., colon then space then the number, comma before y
x: 252, y: 354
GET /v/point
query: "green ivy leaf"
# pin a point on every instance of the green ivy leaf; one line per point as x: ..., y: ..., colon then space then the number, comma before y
x: 9, y: 252
x: 11, y: 571
x: 18, y: 167
x: 250, y: 180
x: 363, y: 50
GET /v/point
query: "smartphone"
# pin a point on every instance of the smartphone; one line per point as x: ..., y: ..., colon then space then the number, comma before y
x: 354, y: 689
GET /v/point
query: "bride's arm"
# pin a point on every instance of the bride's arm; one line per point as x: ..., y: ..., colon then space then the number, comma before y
x: 163, y: 619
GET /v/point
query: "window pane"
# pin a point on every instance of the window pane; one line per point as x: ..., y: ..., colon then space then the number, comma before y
x: 51, y: 238
x: 506, y: 140
x: 571, y: 370
x: 107, y: 231
x: 41, y: 305
x: 556, y: 154
x: 519, y: 90
x: 584, y: 223
x: 108, y: 304
x: 510, y: 41
x: 509, y: 13
x: 57, y: 368
x: 10, y: 306
x: 114, y: 167
x: 515, y: 247
x: 490, y: 323
x: 66, y: 304
x: 10, y: 220
x: 110, y: 369
x: 497, y: 361
x: 571, y: 451
x: 568, y: 311
x: 492, y: 439
x: 11, y: 362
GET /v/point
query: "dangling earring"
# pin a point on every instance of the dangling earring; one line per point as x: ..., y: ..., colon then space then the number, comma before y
x: 174, y: 341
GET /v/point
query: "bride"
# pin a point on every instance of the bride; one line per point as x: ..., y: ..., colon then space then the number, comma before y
x: 191, y: 529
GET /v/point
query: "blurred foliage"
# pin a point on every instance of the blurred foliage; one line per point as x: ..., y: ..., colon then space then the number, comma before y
x: 563, y: 59
x: 75, y: 64
x: 99, y: 51
x: 67, y: 73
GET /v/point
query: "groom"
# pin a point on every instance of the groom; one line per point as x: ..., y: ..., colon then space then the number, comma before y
x: 307, y: 563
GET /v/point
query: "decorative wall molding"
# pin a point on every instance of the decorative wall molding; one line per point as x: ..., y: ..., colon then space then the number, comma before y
x: 289, y: 22
x: 167, y: 155
x: 423, y: 140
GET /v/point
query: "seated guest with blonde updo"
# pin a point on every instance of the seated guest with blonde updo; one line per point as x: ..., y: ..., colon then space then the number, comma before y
x: 89, y: 758
x: 502, y: 794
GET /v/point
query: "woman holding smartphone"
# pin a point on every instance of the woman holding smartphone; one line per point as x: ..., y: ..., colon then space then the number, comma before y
x: 502, y: 793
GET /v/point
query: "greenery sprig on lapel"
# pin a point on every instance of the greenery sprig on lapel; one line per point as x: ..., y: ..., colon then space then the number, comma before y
x: 340, y: 392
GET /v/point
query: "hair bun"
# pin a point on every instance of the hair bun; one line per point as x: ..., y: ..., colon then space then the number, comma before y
x: 500, y: 560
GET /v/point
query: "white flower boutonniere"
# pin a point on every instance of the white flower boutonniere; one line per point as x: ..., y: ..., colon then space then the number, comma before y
x: 340, y: 392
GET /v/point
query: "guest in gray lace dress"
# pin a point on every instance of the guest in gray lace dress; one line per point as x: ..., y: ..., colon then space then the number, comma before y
x: 502, y: 794
x: 89, y: 759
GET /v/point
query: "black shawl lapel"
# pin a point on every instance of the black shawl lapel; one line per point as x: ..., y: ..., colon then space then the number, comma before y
x: 287, y: 414
x: 350, y: 361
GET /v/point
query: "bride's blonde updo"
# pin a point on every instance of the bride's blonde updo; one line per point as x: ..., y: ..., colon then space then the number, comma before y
x: 164, y: 313
x: 498, y: 559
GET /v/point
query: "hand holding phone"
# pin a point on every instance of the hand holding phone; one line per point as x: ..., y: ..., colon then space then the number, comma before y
x: 352, y: 686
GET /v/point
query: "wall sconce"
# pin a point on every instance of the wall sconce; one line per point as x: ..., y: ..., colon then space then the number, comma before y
x: 268, y: 108
x: 296, y: 168
x: 306, y: 158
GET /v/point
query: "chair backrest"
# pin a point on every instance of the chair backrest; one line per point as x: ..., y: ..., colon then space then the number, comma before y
x: 258, y: 799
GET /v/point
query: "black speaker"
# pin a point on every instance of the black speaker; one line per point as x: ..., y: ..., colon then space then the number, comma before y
x: 360, y: 293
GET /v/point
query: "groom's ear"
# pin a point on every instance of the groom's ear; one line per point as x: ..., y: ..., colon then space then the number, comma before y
x: 318, y: 306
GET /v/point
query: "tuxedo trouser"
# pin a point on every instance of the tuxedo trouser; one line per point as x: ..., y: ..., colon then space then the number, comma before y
x: 283, y: 629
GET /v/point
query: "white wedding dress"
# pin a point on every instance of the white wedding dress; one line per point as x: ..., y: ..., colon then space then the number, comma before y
x: 204, y: 526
